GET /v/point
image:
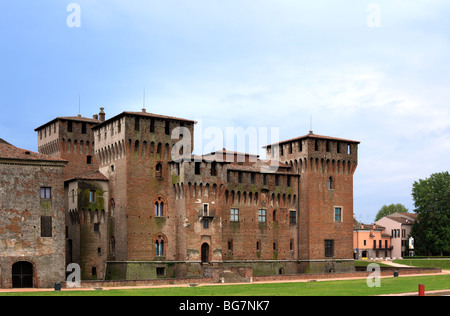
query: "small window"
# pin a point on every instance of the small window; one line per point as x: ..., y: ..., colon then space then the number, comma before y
x: 239, y: 177
x: 89, y: 160
x: 338, y: 214
x: 94, y: 271
x: 261, y: 216
x: 197, y: 168
x: 253, y: 178
x: 69, y: 126
x: 329, y: 248
x: 159, y: 247
x: 230, y: 244
x: 316, y: 145
x: 83, y: 128
x: 92, y: 196
x: 277, y: 180
x: 136, y: 124
x: 258, y: 245
x: 96, y: 227
x: 46, y: 193
x: 46, y: 226
x: 159, y: 208
x: 289, y: 181
x: 167, y: 128
x: 160, y: 272
x: 330, y: 183
x: 214, y: 169
x: 158, y: 172
x: 152, y: 125
x: 205, y: 209
x: 234, y: 215
x: 292, y: 217
x: 205, y: 222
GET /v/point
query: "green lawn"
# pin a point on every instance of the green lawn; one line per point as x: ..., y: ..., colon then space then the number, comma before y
x: 323, y: 288
x: 444, y: 264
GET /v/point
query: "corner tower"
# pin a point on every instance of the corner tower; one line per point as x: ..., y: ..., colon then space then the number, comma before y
x: 326, y: 166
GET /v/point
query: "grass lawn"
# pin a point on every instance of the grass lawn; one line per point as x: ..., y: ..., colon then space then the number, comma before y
x: 444, y: 264
x: 323, y: 288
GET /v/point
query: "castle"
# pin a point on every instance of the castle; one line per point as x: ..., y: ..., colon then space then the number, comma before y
x: 133, y: 211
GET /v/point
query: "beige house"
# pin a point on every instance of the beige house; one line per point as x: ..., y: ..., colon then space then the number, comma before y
x: 399, y: 226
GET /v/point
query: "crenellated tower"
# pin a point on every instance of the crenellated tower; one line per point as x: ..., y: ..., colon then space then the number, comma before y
x: 326, y: 166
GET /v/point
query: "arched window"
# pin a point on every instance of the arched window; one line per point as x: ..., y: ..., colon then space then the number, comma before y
x: 160, y: 242
x: 330, y: 183
x: 159, y: 207
x: 158, y: 172
x: 159, y: 248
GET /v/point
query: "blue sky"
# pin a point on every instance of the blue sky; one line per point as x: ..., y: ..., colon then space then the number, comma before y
x: 247, y: 63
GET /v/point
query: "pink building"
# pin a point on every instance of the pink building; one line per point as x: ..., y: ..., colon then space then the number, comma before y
x: 370, y: 242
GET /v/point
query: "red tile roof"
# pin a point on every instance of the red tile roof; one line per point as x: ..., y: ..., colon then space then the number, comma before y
x: 96, y: 176
x: 10, y: 152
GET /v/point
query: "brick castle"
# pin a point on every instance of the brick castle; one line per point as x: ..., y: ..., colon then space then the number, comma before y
x: 133, y: 212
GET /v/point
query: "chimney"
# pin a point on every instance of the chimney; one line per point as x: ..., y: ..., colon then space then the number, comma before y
x: 101, y: 115
x: 95, y: 116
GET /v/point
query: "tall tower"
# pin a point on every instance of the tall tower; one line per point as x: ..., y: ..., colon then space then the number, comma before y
x: 70, y: 138
x: 326, y: 166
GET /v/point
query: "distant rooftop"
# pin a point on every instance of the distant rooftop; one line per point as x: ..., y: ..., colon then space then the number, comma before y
x: 10, y: 152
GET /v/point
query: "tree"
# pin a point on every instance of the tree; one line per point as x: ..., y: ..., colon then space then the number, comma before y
x: 390, y: 209
x: 432, y: 201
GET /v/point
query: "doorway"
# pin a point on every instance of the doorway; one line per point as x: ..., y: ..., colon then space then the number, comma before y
x: 22, y: 275
x: 205, y: 253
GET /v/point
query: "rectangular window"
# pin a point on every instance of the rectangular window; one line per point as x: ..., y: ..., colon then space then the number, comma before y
x: 264, y: 179
x: 253, y: 178
x: 205, y: 223
x: 338, y: 214
x: 167, y: 128
x: 46, y: 226
x: 205, y: 209
x: 83, y: 128
x: 46, y: 193
x: 160, y: 272
x: 136, y: 124
x: 239, y: 177
x: 234, y: 215
x: 292, y: 217
x: 288, y: 181
x: 89, y: 160
x: 261, y: 216
x: 258, y: 245
x: 69, y: 126
x: 291, y: 245
x: 230, y: 244
x: 197, y: 167
x: 92, y: 196
x: 277, y: 180
x: 96, y: 227
x: 152, y: 125
x: 329, y: 248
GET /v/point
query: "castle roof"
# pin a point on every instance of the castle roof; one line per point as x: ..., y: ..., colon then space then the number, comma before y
x: 145, y: 114
x: 312, y: 135
x: 70, y: 118
x: 96, y: 176
x: 10, y: 152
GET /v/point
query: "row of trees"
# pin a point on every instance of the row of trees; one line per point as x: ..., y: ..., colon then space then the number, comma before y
x: 431, y: 231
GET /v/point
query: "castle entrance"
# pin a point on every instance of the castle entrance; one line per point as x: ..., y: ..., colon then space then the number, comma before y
x: 22, y: 275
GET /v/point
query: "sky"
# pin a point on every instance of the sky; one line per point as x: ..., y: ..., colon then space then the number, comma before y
x: 373, y: 71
